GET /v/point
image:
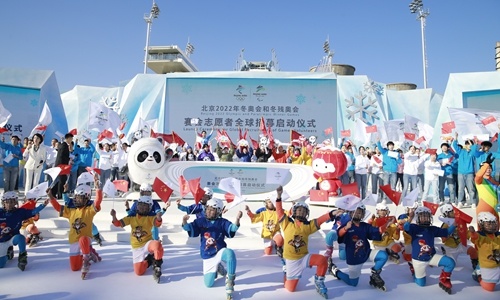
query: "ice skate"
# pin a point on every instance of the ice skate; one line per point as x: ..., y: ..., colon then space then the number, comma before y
x: 157, y: 270
x: 10, y: 252
x: 86, y: 266
x: 444, y: 281
x: 393, y: 256
x: 230, y: 286
x: 377, y: 281
x: 221, y: 270
x: 319, y: 282
x: 97, y: 237
x: 476, y: 275
x: 22, y: 260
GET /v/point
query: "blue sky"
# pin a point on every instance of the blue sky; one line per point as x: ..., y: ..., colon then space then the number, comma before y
x: 101, y: 43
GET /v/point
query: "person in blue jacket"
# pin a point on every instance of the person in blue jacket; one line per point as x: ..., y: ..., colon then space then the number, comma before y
x: 11, y: 166
x: 212, y: 230
x: 465, y: 178
x: 390, y: 162
x: 448, y: 164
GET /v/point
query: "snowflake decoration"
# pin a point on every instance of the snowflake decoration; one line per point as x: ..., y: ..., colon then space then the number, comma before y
x: 300, y: 99
x: 363, y: 106
x: 373, y: 87
x: 34, y: 102
x: 187, y: 88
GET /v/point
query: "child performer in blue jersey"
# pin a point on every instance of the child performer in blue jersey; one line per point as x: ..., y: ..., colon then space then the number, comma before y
x: 213, y: 229
x: 355, y: 235
x: 423, y: 252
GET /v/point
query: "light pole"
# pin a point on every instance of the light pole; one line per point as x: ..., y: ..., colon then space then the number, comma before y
x: 417, y: 7
x: 153, y: 14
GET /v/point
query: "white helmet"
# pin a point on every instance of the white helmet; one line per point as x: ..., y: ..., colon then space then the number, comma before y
x: 83, y: 190
x: 208, y: 192
x: 382, y: 206
x: 446, y: 209
x: 362, y: 207
x: 424, y: 216
x: 217, y: 204
x: 146, y: 199
x: 146, y: 187
x: 297, y: 205
x: 487, y: 222
x: 9, y: 195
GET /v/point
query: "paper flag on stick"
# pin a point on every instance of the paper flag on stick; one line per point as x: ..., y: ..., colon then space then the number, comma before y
x: 162, y: 190
x: 38, y: 191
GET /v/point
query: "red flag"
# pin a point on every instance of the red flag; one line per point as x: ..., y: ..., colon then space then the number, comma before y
x: 409, y: 136
x: 263, y: 126
x: 432, y: 206
x: 224, y: 132
x: 376, y: 159
x: 31, y: 204
x: 2, y: 130
x: 177, y: 139
x: 121, y: 185
x: 270, y: 136
x: 494, y: 138
x: 41, y: 127
x: 294, y: 135
x: 420, y: 140
x: 183, y: 186
x: 350, y: 189
x: 371, y: 129
x: 449, y: 126
x: 461, y: 220
x: 445, y: 131
x: 162, y: 190
x: 392, y: 195
x: 65, y: 169
x: 93, y: 170
x: 318, y: 195
x: 104, y: 134
x: 328, y: 131
x: 345, y: 133
x: 198, y: 194
x: 194, y: 186
x: 255, y: 144
x: 431, y: 151
x: 229, y: 197
x: 73, y: 131
x: 488, y: 120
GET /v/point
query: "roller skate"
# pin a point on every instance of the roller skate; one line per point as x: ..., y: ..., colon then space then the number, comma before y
x: 149, y: 259
x: 377, y: 281
x: 86, y: 265
x: 94, y: 256
x: 97, y: 237
x: 22, y: 260
x: 444, y: 281
x: 319, y: 282
x: 476, y: 275
x: 34, y: 240
x: 230, y: 286
x: 157, y: 270
x: 393, y: 256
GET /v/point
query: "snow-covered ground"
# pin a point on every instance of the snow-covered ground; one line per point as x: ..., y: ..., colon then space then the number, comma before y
x: 48, y: 275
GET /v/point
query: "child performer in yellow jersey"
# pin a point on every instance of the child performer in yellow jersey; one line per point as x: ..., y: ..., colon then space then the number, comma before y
x: 390, y: 237
x: 487, y: 241
x: 452, y: 245
x: 145, y: 250
x: 80, y: 218
x: 297, y: 229
x: 271, y: 231
x: 402, y: 219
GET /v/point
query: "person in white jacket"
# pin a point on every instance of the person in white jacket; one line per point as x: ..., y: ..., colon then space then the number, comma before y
x: 361, y: 165
x: 35, y: 156
x: 431, y: 174
x: 410, y: 170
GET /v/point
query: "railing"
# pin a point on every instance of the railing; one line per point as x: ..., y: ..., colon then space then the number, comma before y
x: 170, y: 56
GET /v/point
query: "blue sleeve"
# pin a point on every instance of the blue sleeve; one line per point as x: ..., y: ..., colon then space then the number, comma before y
x: 182, y: 208
x: 37, y: 210
x: 455, y: 147
x: 66, y: 199
x: 133, y: 209
x: 382, y: 150
x: 451, y: 229
x: 406, y: 226
x: 156, y: 207
x: 232, y: 230
x: 190, y: 229
x: 374, y: 233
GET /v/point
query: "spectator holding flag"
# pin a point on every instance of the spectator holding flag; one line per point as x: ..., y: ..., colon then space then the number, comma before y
x: 35, y: 156
x: 62, y: 158
x: 446, y: 158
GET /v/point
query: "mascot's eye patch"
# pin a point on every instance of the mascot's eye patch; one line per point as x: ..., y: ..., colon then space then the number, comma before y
x: 142, y: 156
x: 157, y: 157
